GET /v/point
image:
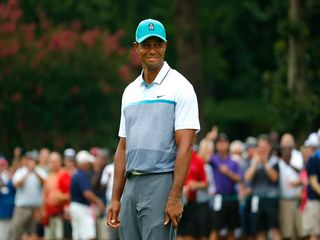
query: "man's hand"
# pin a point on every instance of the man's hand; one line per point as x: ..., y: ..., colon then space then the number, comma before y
x: 224, y: 169
x: 113, y: 213
x: 173, y: 212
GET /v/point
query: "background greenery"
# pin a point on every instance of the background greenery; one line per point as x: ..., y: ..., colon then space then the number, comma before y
x: 64, y: 65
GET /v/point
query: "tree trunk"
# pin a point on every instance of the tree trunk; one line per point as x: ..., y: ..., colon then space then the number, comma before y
x: 296, y: 49
x: 189, y: 48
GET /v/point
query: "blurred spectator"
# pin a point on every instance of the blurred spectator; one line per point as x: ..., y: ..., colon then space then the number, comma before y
x: 101, y: 158
x: 290, y: 191
x: 43, y: 158
x: 70, y: 166
x: 206, y: 149
x: 7, y: 192
x: 245, y: 188
x: 195, y: 219
x: 69, y: 160
x: 82, y: 220
x: 28, y: 182
x: 287, y: 141
x: 225, y: 203
x: 56, y: 196
x: 274, y: 142
x: 263, y: 175
x: 311, y: 214
x: 16, y: 160
x: 107, y: 181
x: 237, y: 152
x: 99, y: 164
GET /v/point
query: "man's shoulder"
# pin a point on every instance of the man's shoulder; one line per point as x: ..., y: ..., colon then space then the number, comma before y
x: 178, y: 78
x: 132, y: 85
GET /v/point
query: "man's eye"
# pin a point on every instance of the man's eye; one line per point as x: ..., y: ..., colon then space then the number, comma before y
x: 145, y: 45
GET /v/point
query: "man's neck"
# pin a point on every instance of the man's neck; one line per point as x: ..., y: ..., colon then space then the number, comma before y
x: 150, y: 74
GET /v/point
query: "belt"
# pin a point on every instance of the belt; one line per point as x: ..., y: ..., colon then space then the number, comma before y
x: 136, y: 173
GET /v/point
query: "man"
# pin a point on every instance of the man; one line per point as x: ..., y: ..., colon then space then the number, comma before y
x: 28, y: 181
x: 159, y: 117
x: 288, y: 141
x: 107, y: 182
x: 311, y: 214
x: 56, y: 196
x: 225, y: 205
x: 7, y: 193
x: 290, y: 192
x: 194, y: 222
x: 82, y: 196
x: 263, y: 177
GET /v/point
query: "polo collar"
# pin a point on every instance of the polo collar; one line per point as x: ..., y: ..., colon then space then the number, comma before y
x: 161, y: 75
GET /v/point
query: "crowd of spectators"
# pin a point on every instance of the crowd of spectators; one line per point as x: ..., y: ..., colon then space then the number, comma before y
x: 259, y: 188
x: 48, y: 195
x: 265, y: 187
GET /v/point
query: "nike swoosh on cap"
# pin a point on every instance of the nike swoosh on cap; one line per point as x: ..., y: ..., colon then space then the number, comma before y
x: 159, y: 96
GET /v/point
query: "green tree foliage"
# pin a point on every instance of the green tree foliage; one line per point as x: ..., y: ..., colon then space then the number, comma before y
x: 64, y: 65
x: 60, y: 85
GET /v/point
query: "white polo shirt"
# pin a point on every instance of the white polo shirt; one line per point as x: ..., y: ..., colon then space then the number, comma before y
x: 30, y: 194
x: 150, y: 115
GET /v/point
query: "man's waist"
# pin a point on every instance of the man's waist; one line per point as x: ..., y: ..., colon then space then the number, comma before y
x: 135, y: 173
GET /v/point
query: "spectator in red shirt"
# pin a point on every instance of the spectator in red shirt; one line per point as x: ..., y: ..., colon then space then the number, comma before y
x: 194, y: 222
x: 56, y: 196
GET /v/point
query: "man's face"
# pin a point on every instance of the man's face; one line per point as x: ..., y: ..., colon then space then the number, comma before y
x: 54, y: 161
x: 263, y: 148
x: 151, y: 52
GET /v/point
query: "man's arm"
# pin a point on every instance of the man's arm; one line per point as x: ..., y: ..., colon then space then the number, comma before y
x: 184, y: 139
x: 314, y: 184
x: 234, y: 176
x: 251, y: 171
x: 118, y: 184
x: 271, y: 173
x: 91, y: 197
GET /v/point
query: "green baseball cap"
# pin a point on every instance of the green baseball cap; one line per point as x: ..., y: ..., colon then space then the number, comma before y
x: 150, y: 28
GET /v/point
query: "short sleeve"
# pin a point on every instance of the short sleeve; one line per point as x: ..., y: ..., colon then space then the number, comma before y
x: 312, y: 166
x: 186, y: 112
x: 19, y: 175
x: 202, y: 172
x: 236, y: 168
x: 64, y: 182
x: 41, y: 172
x: 84, y: 184
x: 105, y: 176
x: 122, y: 128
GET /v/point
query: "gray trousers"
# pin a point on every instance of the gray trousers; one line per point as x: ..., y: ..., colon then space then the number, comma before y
x: 23, y: 220
x: 143, y: 203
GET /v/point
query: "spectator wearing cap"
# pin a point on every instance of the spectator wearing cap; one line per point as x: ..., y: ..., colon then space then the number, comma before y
x: 82, y: 196
x: 311, y: 213
x: 56, y: 196
x: 159, y: 118
x: 225, y: 204
x: 7, y: 193
x: 28, y: 181
x: 69, y: 161
x: 263, y: 177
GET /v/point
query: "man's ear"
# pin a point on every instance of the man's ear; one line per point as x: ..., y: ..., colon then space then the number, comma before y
x: 135, y: 45
x: 166, y: 43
